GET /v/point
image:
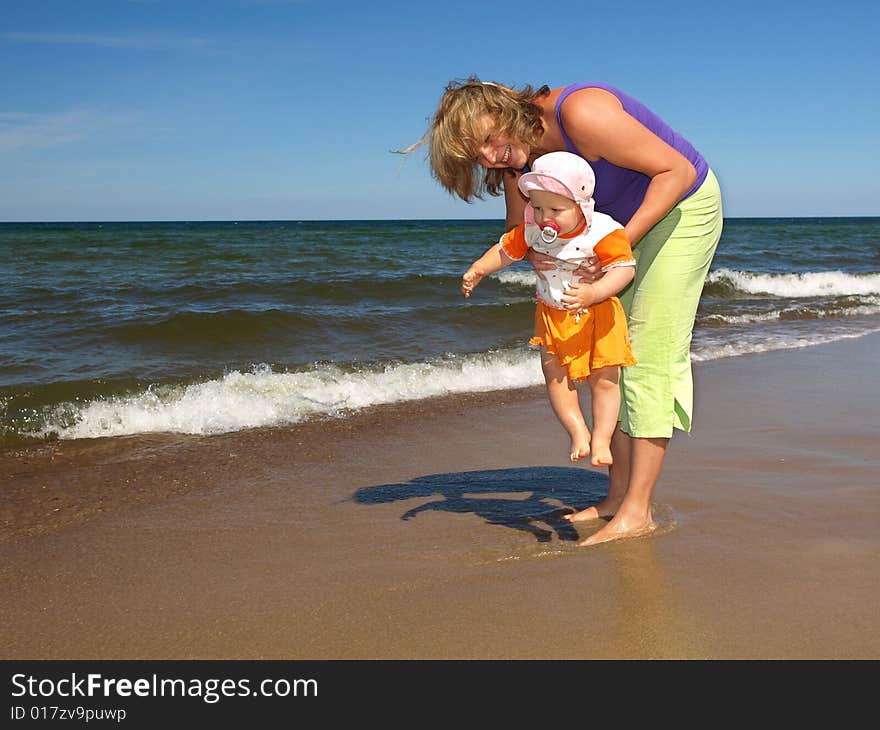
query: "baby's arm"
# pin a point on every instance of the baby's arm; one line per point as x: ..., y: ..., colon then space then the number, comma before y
x: 493, y: 260
x: 612, y: 283
x: 618, y: 264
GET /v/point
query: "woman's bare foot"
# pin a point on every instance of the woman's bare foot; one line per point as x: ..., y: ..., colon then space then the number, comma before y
x: 580, y: 445
x: 585, y: 515
x: 605, y: 508
x: 620, y: 527
x: 601, y: 453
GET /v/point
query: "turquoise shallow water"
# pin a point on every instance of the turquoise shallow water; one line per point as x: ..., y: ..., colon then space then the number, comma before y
x: 205, y: 327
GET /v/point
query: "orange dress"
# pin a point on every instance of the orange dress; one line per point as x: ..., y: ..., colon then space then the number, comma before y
x: 596, y: 337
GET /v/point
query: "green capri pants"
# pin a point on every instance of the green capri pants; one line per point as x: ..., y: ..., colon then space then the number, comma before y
x: 672, y: 262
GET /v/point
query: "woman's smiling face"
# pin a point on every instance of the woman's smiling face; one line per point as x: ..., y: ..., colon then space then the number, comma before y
x: 497, y: 149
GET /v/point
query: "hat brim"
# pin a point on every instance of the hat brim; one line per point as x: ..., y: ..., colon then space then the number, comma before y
x: 530, y: 181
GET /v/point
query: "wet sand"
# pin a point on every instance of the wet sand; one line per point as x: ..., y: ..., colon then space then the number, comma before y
x: 432, y: 530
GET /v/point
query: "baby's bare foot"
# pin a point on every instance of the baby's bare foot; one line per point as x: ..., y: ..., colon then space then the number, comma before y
x: 580, y: 447
x: 580, y: 442
x: 579, y: 451
x: 601, y: 453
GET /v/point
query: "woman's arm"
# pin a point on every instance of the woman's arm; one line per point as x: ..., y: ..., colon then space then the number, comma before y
x: 599, y: 127
x: 514, y: 200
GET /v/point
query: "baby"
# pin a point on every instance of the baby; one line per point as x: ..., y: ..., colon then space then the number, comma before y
x: 576, y: 344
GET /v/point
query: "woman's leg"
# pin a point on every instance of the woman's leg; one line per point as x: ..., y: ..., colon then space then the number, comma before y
x: 633, y: 516
x: 618, y: 478
x: 661, y: 303
x: 566, y: 404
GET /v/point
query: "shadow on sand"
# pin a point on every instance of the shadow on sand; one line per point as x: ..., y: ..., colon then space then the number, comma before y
x: 548, y: 493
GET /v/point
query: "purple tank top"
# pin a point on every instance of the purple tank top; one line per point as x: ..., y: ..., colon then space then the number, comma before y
x: 619, y: 190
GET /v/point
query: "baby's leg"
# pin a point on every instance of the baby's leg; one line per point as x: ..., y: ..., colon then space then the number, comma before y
x: 605, y: 389
x: 564, y: 400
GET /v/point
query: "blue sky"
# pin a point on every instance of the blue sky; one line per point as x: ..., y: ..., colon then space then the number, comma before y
x: 286, y: 109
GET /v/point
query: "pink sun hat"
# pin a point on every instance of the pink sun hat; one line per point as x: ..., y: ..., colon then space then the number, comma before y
x: 565, y: 174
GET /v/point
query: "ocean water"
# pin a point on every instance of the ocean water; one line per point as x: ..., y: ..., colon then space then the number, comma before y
x: 111, y: 329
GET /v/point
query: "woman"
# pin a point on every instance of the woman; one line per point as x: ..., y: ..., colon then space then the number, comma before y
x: 648, y: 177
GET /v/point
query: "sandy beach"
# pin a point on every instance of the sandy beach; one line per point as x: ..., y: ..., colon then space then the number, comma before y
x: 432, y: 530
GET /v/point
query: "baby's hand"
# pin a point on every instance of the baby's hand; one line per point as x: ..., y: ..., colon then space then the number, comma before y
x: 578, y: 296
x: 469, y: 281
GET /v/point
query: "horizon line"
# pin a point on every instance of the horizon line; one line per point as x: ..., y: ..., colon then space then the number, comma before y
x: 366, y: 220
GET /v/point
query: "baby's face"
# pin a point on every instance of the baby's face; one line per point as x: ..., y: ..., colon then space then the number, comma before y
x: 553, y: 208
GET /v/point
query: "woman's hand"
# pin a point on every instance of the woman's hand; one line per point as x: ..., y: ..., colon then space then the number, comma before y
x: 540, y: 261
x: 590, y: 270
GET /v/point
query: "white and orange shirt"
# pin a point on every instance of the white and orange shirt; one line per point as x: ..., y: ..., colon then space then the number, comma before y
x: 605, y: 239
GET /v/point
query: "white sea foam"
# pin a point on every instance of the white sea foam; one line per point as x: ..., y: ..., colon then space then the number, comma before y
x: 807, y: 284
x: 869, y: 307
x: 262, y: 397
x: 747, y: 346
x: 518, y: 278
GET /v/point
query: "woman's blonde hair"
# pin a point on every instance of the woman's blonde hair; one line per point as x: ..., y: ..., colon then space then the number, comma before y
x: 455, y: 134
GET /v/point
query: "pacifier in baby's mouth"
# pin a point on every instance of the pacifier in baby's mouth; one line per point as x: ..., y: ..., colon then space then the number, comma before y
x: 549, y: 231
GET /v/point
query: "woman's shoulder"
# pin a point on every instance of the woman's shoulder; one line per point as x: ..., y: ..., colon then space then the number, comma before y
x: 589, y: 113
x: 574, y: 98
